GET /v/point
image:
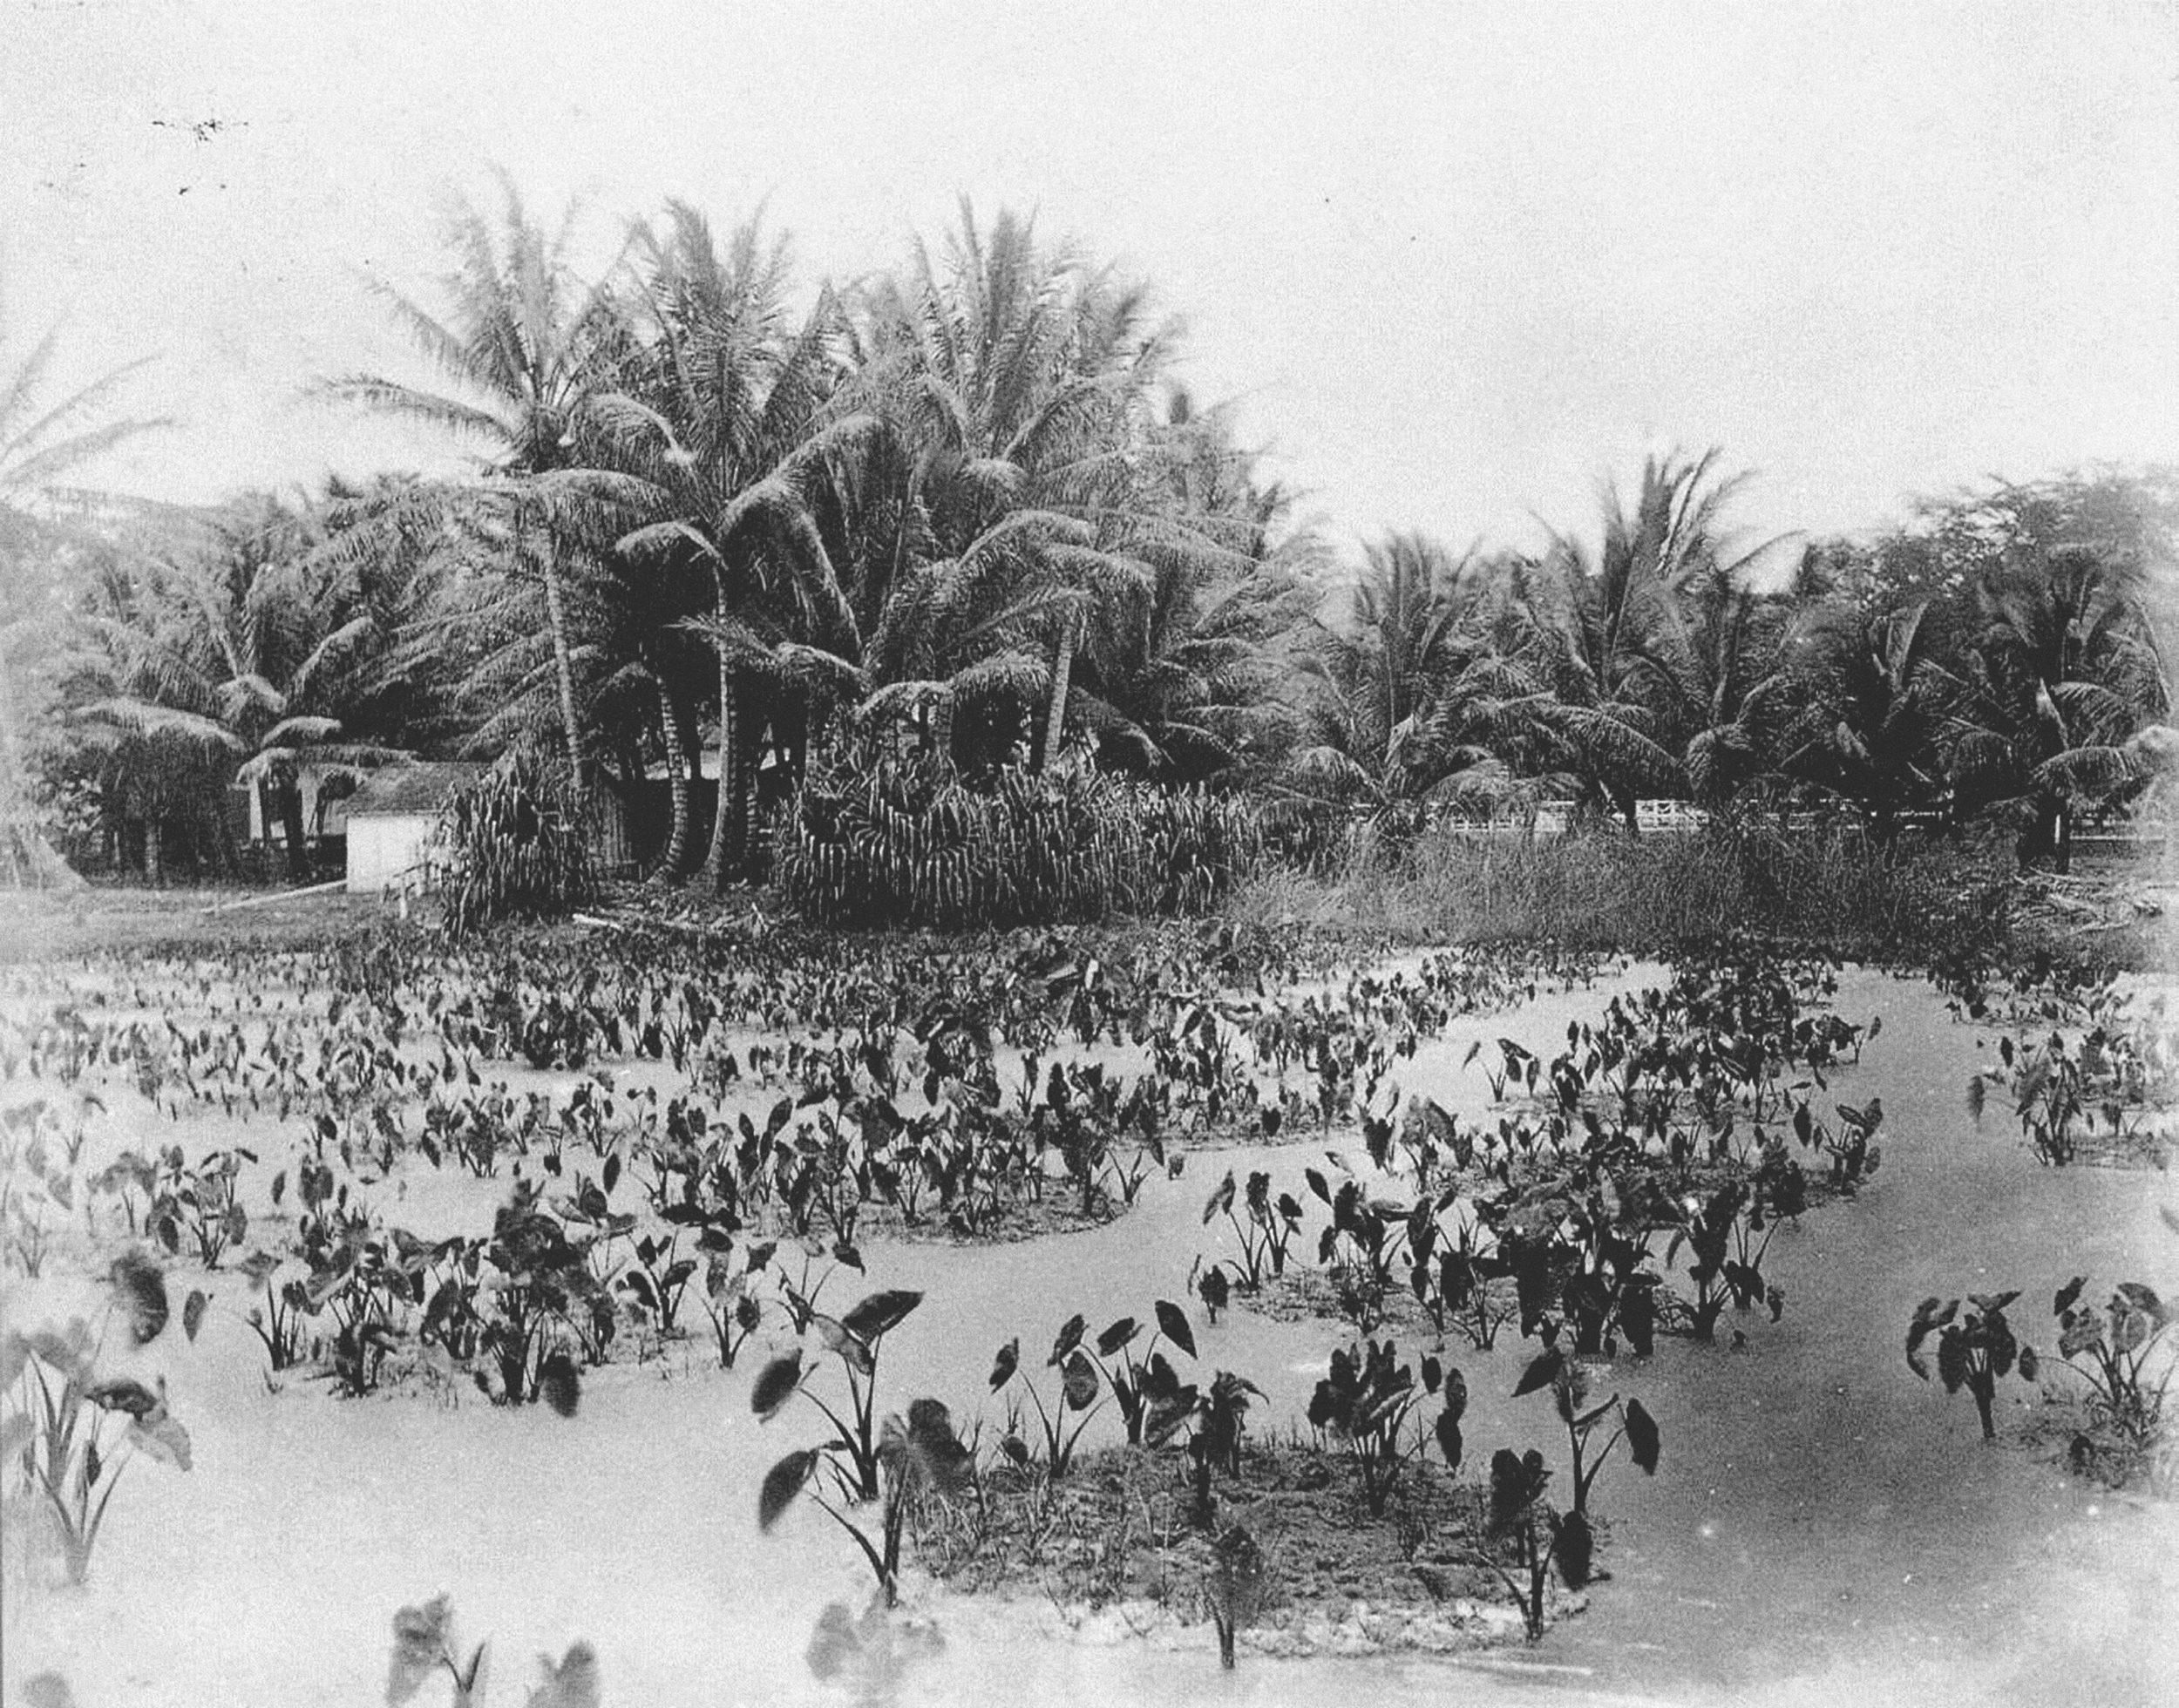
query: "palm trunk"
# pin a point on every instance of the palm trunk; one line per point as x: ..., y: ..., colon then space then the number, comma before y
x: 291, y: 825
x: 676, y: 856
x: 154, y: 861
x: 563, y: 659
x: 724, y: 862
x: 1062, y: 673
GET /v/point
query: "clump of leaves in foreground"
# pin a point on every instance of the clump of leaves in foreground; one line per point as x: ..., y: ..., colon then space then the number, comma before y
x: 59, y: 1417
x: 424, y: 1643
x: 861, y: 1465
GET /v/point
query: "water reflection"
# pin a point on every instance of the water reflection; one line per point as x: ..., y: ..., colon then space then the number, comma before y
x: 865, y: 1659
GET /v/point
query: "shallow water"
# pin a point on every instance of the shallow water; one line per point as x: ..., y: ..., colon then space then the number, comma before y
x: 1823, y: 1528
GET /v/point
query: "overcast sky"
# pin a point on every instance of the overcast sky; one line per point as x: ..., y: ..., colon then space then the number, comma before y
x: 1459, y: 262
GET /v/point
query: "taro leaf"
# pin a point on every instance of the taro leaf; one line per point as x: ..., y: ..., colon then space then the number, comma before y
x: 1641, y: 1436
x: 1070, y: 1338
x: 1448, y: 1438
x: 1215, y: 1288
x: 124, y: 1393
x: 1575, y: 1545
x: 612, y: 1171
x: 2143, y: 1299
x: 1220, y: 1200
x: 1456, y: 1394
x: 572, y: 1683
x: 2031, y: 1365
x: 1516, y: 1483
x: 1078, y: 1381
x: 1917, y: 1331
x: 782, y: 1483
x: 1433, y: 1373
x: 1015, y: 1449
x: 1173, y: 1322
x: 162, y: 1438
x: 559, y: 1384
x: 1317, y: 1183
x: 193, y: 1313
x: 929, y: 1452
x: 139, y: 1286
x: 1541, y: 1371
x: 834, y: 1643
x: 2170, y: 1216
x: 871, y: 1317
x: 1111, y: 1340
x: 851, y: 1349
x: 1991, y: 1303
x: 1004, y: 1366
x: 776, y: 1383
x: 421, y: 1639
x: 17, y: 1431
x: 847, y: 1255
x: 1952, y: 1361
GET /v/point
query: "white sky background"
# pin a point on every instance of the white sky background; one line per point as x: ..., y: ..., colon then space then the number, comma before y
x: 1459, y: 262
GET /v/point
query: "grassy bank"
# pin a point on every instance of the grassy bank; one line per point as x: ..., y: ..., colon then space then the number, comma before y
x: 1916, y: 901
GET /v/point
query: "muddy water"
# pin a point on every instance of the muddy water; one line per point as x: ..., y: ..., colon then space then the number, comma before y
x: 1825, y: 1527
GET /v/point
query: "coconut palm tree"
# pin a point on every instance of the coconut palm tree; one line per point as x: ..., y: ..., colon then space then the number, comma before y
x: 525, y: 346
x: 1406, y: 689
x: 730, y: 427
x: 1871, y: 701
x: 45, y: 521
x: 1020, y: 382
x: 1610, y: 633
x: 2063, y: 692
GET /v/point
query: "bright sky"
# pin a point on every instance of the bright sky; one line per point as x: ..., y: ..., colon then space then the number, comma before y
x: 1460, y: 261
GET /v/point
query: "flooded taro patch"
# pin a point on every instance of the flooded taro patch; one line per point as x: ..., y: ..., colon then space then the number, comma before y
x: 802, y: 1318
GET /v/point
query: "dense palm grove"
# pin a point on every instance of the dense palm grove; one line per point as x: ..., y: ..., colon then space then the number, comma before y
x: 955, y: 537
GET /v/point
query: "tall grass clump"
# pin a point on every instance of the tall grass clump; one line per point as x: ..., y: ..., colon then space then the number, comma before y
x: 517, y: 845
x: 1835, y: 886
x: 908, y: 843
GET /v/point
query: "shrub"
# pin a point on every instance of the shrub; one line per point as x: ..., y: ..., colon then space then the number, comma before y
x: 518, y: 845
x: 908, y: 843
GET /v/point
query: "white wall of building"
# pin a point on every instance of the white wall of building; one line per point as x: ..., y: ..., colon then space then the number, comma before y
x: 386, y: 849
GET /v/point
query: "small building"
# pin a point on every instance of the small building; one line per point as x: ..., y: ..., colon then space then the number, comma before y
x: 390, y: 820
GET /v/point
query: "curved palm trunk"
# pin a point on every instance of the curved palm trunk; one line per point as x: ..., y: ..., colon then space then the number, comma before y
x: 1062, y: 673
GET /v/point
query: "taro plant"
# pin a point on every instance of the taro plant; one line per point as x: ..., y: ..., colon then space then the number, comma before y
x: 855, y: 1338
x: 278, y: 1321
x: 1264, y: 1228
x: 1131, y: 1373
x: 424, y: 1645
x: 893, y: 1467
x: 1568, y: 1380
x: 72, y: 1433
x: 1079, y: 1389
x: 1362, y: 1248
x: 199, y: 1203
x: 1366, y: 1401
x: 544, y: 1287
x: 1521, y: 1524
x: 1215, y: 1419
x: 2115, y: 1352
x: 2049, y: 1086
x: 1974, y: 1349
x: 731, y: 1299
x: 1235, y: 1587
